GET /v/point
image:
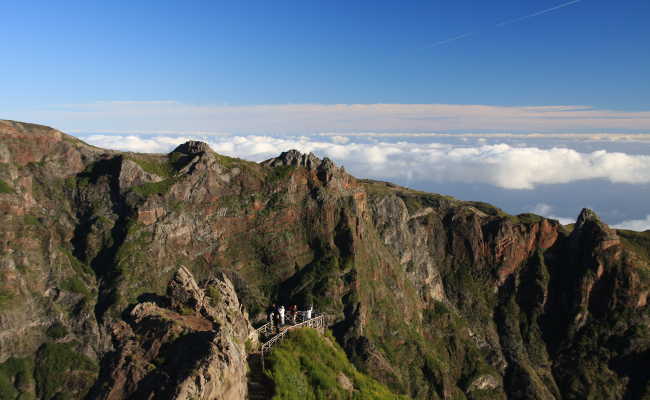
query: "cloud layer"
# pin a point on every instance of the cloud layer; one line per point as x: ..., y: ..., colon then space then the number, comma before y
x: 179, y: 118
x: 500, y: 165
x: 635, y: 224
x: 546, y: 210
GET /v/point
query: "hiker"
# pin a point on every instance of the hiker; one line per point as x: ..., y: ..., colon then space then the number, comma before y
x: 294, y: 313
x: 281, y: 312
x: 271, y: 312
x: 309, y: 310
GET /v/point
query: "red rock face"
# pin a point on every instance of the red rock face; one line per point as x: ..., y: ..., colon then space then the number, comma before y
x: 28, y: 143
x: 520, y: 244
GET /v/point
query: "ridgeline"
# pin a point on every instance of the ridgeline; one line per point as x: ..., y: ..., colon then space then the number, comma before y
x: 430, y: 297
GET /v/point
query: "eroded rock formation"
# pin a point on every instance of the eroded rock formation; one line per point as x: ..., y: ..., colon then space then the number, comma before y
x: 190, y: 344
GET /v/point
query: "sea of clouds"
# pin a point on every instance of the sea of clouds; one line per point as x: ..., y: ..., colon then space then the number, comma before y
x: 511, y: 165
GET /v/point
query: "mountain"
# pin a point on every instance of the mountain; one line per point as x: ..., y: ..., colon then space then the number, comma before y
x: 127, y: 275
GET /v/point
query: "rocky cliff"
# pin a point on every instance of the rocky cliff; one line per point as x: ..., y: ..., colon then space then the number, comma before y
x: 190, y: 344
x: 432, y: 296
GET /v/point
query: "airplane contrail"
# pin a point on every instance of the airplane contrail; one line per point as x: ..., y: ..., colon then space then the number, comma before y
x: 512, y: 21
x: 464, y: 35
x: 504, y: 23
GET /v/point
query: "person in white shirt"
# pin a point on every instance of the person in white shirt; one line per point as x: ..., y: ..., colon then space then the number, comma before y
x: 281, y: 315
x: 309, y: 310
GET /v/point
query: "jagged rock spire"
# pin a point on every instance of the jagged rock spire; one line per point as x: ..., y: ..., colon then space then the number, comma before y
x: 192, y: 147
x: 184, y: 292
x: 295, y: 158
x: 585, y: 216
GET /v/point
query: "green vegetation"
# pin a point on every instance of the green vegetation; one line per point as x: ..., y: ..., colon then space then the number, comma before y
x: 310, y: 366
x: 215, y: 295
x: 527, y: 218
x: 280, y: 173
x: 228, y: 162
x: 75, y: 285
x: 5, y: 297
x: 414, y: 200
x: 74, y: 140
x: 487, y: 208
x: 248, y: 345
x: 157, y: 165
x: 155, y: 188
x: 16, y: 378
x: 187, y: 310
x: 386, y: 188
x: 276, y: 202
x: 92, y: 173
x: 131, y: 274
x: 30, y: 219
x: 417, y: 201
x: 61, y: 368
x: 315, y: 282
x: 78, y: 266
x: 56, y: 331
x: 5, y: 188
x: 380, y: 187
x: 638, y: 242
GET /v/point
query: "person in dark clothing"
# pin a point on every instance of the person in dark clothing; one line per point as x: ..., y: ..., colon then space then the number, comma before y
x: 294, y: 313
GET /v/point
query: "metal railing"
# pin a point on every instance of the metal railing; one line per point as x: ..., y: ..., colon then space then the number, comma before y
x: 301, y: 316
x: 265, y: 329
x: 318, y: 322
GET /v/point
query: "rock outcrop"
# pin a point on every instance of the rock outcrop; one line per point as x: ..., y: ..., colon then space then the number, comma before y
x: 435, y: 297
x: 188, y: 345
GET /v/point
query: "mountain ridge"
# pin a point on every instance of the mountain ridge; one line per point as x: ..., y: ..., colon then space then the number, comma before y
x: 432, y: 296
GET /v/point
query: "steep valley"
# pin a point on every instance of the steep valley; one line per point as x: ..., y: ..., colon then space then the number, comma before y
x: 127, y: 275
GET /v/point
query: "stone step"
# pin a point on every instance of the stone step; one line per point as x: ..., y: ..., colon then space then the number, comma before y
x: 259, y: 385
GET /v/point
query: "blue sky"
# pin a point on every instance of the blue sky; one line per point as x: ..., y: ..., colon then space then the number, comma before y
x: 591, y: 52
x: 423, y: 93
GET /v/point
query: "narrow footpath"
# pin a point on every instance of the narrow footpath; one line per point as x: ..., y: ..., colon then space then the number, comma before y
x: 260, y: 387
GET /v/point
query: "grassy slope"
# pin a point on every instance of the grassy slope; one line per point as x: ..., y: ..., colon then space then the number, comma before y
x: 638, y: 243
x: 311, y: 366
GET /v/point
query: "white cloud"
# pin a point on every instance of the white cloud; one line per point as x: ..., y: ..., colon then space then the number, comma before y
x: 542, y: 209
x: 546, y: 210
x: 635, y: 224
x: 339, y: 139
x: 501, y: 165
x: 138, y: 144
x: 482, y: 137
x: 171, y: 116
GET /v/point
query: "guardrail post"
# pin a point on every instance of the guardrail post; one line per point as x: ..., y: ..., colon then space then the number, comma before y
x: 317, y: 323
